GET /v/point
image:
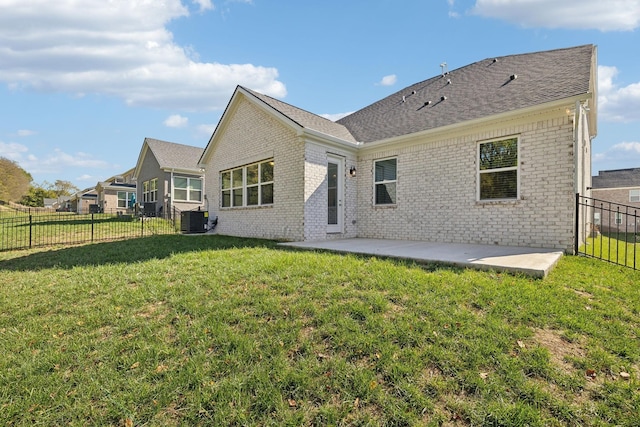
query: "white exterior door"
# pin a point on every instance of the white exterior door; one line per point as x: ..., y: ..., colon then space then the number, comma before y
x: 335, y: 194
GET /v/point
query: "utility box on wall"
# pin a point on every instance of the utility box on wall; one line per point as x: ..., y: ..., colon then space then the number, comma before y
x: 194, y: 221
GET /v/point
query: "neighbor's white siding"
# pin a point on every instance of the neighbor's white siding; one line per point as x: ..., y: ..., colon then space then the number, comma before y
x: 250, y: 136
x: 437, y: 183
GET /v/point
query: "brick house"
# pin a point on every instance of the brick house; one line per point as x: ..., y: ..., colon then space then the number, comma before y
x: 168, y: 177
x: 117, y: 194
x: 490, y: 153
x: 613, y: 188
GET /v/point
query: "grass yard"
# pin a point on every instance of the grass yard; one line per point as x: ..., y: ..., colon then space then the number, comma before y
x: 620, y: 248
x: 47, y: 229
x: 212, y: 330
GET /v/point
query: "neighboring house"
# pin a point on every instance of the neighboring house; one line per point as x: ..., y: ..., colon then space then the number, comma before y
x: 84, y: 201
x: 117, y: 194
x: 619, y: 186
x: 490, y: 153
x: 168, y: 177
x: 50, y: 203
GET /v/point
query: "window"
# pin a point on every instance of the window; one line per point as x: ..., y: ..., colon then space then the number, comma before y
x: 123, y: 199
x: 596, y: 218
x: 385, y: 181
x: 187, y: 189
x: 250, y: 185
x: 634, y: 195
x: 618, y: 218
x: 498, y: 170
x: 150, y: 190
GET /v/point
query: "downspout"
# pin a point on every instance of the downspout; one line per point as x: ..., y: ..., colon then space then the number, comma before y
x: 171, y: 192
x: 577, y: 118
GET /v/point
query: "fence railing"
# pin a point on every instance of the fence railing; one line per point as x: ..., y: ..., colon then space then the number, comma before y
x: 608, y: 231
x: 29, y: 230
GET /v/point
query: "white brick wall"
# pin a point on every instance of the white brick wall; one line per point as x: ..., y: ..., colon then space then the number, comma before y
x: 250, y: 136
x: 436, y: 188
x: 437, y: 184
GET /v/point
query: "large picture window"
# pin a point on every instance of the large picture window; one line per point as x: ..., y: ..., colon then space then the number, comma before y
x: 250, y: 185
x: 498, y: 170
x: 187, y: 189
x: 124, y: 198
x: 385, y: 176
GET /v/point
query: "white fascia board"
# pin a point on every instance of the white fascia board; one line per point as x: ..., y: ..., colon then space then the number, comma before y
x: 314, y: 136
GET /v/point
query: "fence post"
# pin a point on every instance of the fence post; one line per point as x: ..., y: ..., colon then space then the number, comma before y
x: 142, y: 225
x: 576, y: 233
x: 30, y: 228
x: 91, y: 227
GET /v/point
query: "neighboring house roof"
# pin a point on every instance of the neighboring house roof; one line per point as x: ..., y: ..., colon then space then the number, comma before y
x: 617, y: 178
x: 49, y: 202
x: 171, y: 155
x: 485, y: 88
x: 304, y: 118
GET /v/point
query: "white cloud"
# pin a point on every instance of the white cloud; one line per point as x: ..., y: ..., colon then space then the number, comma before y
x: 25, y: 132
x: 617, y: 104
x: 176, y: 121
x: 119, y: 48
x: 12, y: 151
x: 53, y: 162
x: 336, y: 116
x: 204, y: 4
x: 618, y: 156
x: 389, y: 80
x: 88, y: 178
x: 611, y: 15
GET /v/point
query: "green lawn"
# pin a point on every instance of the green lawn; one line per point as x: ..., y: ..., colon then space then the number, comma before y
x: 619, y: 248
x: 21, y: 230
x: 211, y: 330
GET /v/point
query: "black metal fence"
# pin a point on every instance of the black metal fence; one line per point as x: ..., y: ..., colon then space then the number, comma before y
x: 608, y: 231
x: 21, y: 230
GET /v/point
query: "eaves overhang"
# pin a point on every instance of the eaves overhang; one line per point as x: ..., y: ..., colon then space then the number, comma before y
x: 465, y: 126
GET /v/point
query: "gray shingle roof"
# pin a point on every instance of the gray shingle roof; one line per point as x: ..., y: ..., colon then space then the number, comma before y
x: 304, y: 118
x: 617, y: 178
x: 172, y: 155
x: 477, y: 90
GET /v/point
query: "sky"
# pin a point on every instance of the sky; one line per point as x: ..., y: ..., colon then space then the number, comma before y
x: 83, y: 82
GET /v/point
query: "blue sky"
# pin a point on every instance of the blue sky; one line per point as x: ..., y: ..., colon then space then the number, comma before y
x: 82, y: 83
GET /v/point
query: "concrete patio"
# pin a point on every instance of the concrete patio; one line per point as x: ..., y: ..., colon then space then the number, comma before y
x: 534, y: 262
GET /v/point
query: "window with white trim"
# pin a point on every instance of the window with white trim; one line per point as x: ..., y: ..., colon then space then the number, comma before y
x: 498, y: 169
x: 150, y: 190
x: 385, y: 180
x: 634, y: 195
x: 618, y: 218
x: 250, y: 185
x: 123, y: 199
x: 187, y: 189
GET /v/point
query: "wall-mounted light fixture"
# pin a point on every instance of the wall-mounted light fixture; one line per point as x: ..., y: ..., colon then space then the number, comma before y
x: 352, y: 171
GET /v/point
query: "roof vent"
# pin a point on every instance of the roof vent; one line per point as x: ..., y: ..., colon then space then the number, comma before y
x: 495, y: 60
x: 448, y: 81
x: 442, y: 98
x: 513, y: 76
x: 403, y: 98
x: 427, y: 103
x: 444, y: 68
x: 413, y: 92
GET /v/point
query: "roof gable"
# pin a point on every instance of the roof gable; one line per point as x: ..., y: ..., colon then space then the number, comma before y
x: 485, y: 88
x: 170, y: 155
x: 296, y: 118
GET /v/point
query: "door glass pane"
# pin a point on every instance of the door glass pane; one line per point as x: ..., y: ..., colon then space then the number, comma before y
x: 332, y: 187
